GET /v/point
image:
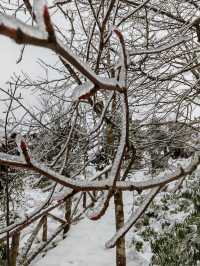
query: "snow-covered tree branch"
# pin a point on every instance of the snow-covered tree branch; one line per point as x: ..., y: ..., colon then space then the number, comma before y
x: 118, y: 115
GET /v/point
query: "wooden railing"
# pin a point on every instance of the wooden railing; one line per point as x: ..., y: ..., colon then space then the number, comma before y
x: 24, y: 255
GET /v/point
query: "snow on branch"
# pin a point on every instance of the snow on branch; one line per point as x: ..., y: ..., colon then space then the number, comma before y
x: 123, y: 57
x: 98, y: 125
x: 36, y: 35
x: 19, y: 31
x: 101, y: 83
x: 84, y: 185
x: 61, y: 2
x: 39, y: 9
x: 159, y: 49
x: 133, y: 218
x: 33, y: 216
x: 100, y: 210
x: 83, y: 91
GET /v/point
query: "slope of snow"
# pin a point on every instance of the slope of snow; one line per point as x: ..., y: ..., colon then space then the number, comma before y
x: 85, y: 246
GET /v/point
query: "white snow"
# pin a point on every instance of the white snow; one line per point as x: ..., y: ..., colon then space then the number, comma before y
x: 38, y: 8
x: 82, y: 90
x: 16, y: 24
x: 84, y: 245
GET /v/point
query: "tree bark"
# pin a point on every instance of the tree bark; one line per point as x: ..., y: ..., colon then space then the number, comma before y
x: 14, y: 249
x: 119, y: 218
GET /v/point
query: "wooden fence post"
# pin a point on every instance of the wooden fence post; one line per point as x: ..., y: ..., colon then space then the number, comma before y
x: 44, y: 233
x: 68, y: 205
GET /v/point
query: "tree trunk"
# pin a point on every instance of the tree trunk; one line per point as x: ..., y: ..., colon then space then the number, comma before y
x: 14, y: 249
x: 119, y: 218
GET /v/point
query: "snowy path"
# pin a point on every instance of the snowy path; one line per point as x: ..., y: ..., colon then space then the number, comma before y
x: 84, y: 245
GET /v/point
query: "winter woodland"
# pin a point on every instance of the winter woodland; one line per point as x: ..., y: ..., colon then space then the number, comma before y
x: 110, y: 153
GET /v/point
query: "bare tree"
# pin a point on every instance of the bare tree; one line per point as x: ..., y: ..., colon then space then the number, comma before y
x: 118, y: 62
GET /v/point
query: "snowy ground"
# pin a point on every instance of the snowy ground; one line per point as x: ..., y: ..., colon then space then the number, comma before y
x: 84, y: 246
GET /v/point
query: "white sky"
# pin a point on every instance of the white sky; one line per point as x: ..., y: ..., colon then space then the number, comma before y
x: 9, y: 54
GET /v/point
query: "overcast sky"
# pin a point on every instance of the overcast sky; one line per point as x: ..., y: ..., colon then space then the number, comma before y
x: 9, y: 54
